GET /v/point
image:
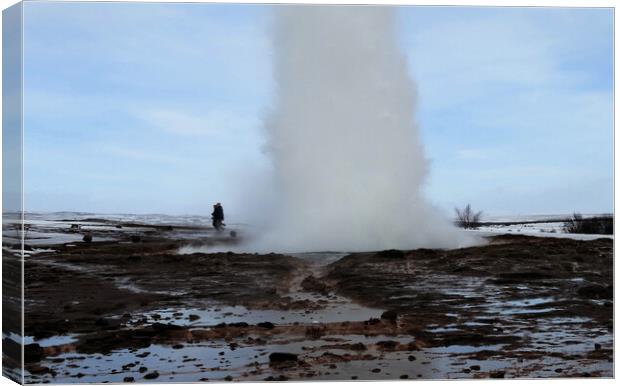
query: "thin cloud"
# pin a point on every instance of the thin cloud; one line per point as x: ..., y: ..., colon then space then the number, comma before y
x: 214, y: 123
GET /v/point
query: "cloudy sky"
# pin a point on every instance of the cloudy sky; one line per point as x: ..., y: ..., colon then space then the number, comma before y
x: 158, y: 108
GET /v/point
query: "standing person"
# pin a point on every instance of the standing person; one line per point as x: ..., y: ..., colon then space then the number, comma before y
x: 217, y: 216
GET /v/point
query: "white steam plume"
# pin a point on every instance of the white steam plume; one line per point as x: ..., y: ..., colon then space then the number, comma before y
x: 346, y: 152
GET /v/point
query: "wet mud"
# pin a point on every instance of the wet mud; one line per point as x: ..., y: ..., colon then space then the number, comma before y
x: 127, y: 307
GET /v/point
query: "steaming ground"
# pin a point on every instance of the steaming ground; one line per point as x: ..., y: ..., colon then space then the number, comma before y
x: 347, y: 159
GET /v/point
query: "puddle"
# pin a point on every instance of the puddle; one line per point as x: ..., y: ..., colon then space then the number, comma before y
x: 226, y: 314
x: 125, y: 283
x: 216, y: 360
x: 51, y: 341
x: 519, y: 311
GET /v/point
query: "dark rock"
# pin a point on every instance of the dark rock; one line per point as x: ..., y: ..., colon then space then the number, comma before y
x: 475, y: 367
x: 358, y: 346
x: 280, y: 378
x: 596, y: 291
x: 312, y: 284
x: 597, y: 346
x: 178, y: 346
x: 33, y: 352
x: 88, y: 237
x: 278, y: 357
x: 161, y: 327
x: 228, y: 378
x: 524, y: 276
x: 404, y: 376
x: 193, y: 317
x: 376, y: 370
x: 239, y: 324
x: 143, y: 369
x: 411, y: 358
x: 372, y: 321
x: 390, y: 315
x: 152, y: 375
x: 267, y: 325
x: 128, y: 379
x: 387, y: 344
x: 497, y: 374
x: 467, y: 371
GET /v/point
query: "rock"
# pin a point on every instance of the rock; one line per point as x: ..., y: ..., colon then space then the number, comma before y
x: 596, y: 291
x: 239, y: 324
x: 404, y: 376
x: 143, y: 369
x: 312, y: 284
x: 88, y: 237
x: 193, y: 317
x: 376, y: 370
x: 33, y: 352
x: 267, y: 325
x: 387, y: 344
x: 178, y: 346
x: 497, y: 374
x: 152, y: 375
x: 475, y: 367
x: 358, y: 346
x: 161, y: 327
x: 280, y: 378
x: 390, y: 315
x: 524, y: 276
x: 372, y: 321
x: 411, y: 358
x: 135, y: 238
x: 597, y: 346
x: 233, y: 234
x: 279, y: 357
x: 467, y: 371
x: 128, y: 379
x: 228, y: 378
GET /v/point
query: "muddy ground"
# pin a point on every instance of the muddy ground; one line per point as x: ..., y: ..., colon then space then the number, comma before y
x: 128, y: 308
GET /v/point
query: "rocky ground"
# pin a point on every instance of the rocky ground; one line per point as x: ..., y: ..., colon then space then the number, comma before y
x: 127, y: 307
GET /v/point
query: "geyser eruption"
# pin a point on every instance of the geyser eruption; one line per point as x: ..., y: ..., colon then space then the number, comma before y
x: 347, y: 158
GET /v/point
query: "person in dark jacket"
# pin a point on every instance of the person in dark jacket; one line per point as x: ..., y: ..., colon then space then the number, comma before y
x: 217, y: 216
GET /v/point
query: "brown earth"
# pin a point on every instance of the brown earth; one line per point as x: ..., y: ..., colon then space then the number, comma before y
x: 502, y: 299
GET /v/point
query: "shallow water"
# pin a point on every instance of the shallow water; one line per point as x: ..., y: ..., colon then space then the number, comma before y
x: 227, y: 314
